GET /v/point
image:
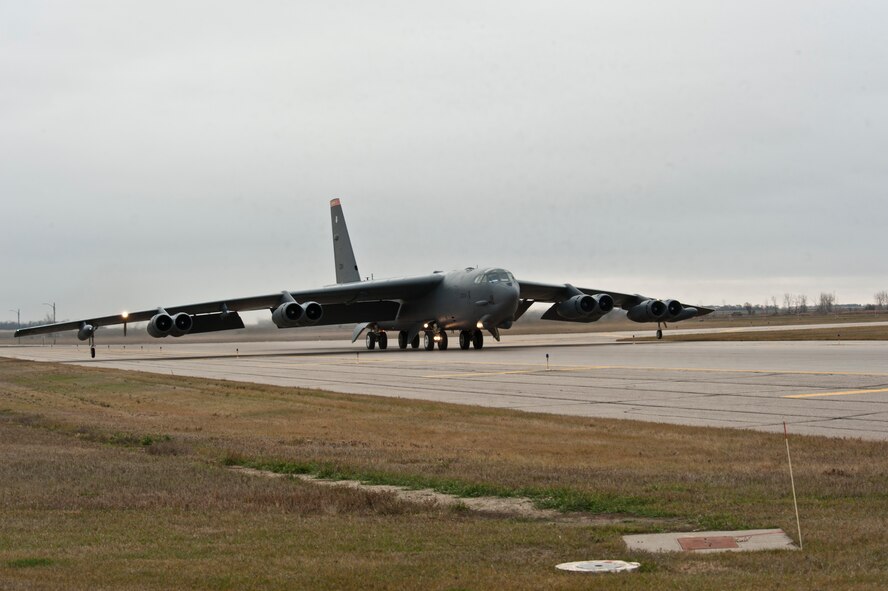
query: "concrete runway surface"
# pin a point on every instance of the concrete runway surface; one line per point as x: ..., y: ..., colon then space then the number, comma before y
x: 836, y: 389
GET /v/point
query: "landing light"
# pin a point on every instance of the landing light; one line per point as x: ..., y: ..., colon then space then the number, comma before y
x: 124, y: 315
x: 479, y: 324
x: 425, y: 325
x: 437, y: 337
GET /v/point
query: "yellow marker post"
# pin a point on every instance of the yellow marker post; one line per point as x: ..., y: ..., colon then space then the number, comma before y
x: 792, y: 480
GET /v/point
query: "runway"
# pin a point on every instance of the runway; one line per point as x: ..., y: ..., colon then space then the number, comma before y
x: 823, y: 388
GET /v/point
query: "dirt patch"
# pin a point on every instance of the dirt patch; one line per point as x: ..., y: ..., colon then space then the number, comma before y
x: 521, y: 507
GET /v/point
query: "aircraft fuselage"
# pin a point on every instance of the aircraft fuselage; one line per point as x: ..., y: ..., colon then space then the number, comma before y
x: 462, y: 300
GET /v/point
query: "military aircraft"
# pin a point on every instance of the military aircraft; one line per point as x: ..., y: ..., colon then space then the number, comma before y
x: 470, y: 300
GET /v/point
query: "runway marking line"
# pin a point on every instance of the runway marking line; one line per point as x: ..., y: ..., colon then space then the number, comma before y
x: 840, y: 393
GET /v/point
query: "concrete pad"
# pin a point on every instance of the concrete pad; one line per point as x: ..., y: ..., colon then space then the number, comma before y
x: 704, y: 542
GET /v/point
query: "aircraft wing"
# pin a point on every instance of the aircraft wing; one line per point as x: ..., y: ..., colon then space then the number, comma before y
x: 550, y: 292
x: 343, y: 303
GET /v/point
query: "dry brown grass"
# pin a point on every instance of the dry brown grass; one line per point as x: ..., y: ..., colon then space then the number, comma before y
x: 76, y: 466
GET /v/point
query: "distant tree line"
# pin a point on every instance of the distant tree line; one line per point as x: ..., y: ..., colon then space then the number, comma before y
x: 802, y: 304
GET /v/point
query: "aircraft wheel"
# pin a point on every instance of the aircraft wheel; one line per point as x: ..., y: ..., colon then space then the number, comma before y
x: 371, y: 341
x: 383, y: 341
x: 478, y: 339
x: 402, y: 340
x: 92, y: 352
x: 429, y: 341
x: 465, y: 339
x: 442, y: 344
x: 415, y: 343
x: 659, y: 334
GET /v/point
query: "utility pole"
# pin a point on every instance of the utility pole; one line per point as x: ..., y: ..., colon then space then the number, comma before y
x: 52, y: 305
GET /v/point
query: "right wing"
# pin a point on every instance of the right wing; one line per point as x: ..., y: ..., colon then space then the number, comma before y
x: 342, y: 303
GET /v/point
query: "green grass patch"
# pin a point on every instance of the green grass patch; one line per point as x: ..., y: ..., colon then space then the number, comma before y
x: 558, y: 498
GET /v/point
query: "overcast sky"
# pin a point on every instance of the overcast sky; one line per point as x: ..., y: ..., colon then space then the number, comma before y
x: 162, y: 153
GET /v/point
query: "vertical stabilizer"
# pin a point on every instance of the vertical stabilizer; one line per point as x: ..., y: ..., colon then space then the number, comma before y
x: 343, y: 255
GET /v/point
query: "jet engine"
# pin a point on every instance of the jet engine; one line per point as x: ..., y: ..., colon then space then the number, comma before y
x: 678, y: 311
x: 160, y: 325
x: 86, y: 331
x: 650, y: 311
x: 182, y: 324
x: 293, y: 314
x: 584, y: 305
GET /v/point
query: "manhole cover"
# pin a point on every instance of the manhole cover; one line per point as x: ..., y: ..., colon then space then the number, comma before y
x: 599, y: 566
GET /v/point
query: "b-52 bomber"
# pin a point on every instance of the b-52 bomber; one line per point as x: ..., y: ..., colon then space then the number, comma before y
x: 470, y: 300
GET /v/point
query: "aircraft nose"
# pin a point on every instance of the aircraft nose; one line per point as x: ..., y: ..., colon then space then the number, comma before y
x: 508, y: 297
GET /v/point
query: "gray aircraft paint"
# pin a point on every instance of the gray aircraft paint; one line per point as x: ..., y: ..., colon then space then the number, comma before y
x: 466, y: 300
x: 343, y: 254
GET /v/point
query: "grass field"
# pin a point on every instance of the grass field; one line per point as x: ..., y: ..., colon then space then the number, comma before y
x: 114, y: 479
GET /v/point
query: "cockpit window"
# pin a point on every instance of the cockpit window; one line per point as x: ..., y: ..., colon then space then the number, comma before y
x: 496, y: 276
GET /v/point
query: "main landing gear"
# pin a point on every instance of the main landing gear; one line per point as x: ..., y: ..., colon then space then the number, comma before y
x: 377, y: 338
x: 402, y: 341
x: 431, y: 337
x: 660, y: 331
x: 471, y: 337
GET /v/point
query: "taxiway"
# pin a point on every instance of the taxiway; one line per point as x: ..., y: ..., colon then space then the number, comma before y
x: 823, y: 388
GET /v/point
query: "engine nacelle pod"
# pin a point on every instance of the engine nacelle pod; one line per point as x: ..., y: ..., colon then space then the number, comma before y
x: 685, y: 314
x: 584, y: 306
x: 86, y: 331
x: 648, y: 311
x: 676, y: 311
x: 313, y: 313
x: 182, y: 324
x: 293, y: 314
x: 673, y: 308
x: 160, y: 325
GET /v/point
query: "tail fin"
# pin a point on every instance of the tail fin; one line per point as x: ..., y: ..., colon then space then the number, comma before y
x: 343, y: 255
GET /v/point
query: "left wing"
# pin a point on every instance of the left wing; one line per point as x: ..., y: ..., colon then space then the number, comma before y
x: 572, y: 304
x: 549, y: 292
